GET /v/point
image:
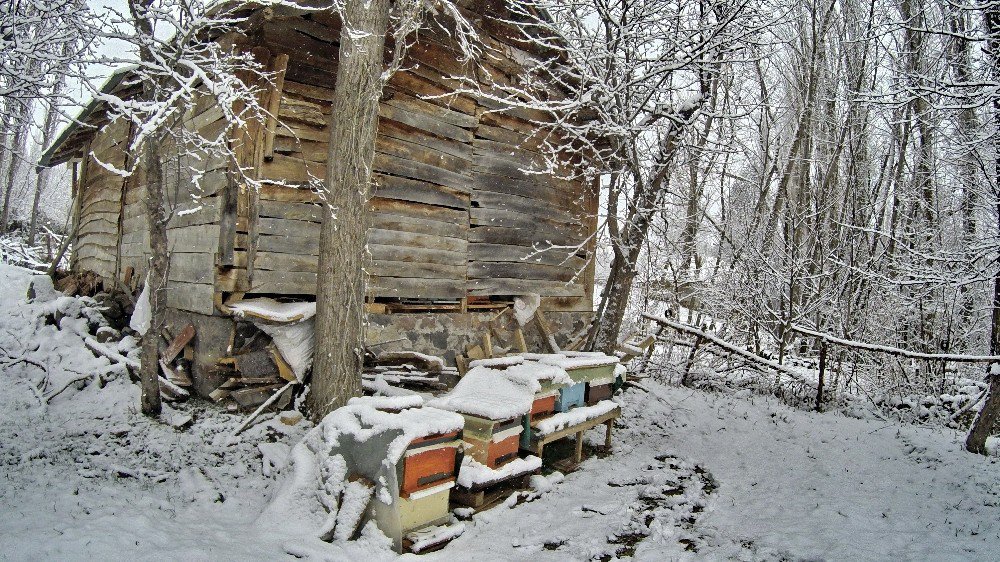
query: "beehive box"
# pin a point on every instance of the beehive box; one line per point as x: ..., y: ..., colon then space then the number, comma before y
x: 428, y: 506
x: 429, y: 462
x: 571, y: 396
x: 491, y: 442
x: 597, y: 390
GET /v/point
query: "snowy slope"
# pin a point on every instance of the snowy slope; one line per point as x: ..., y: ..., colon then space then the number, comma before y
x: 733, y: 478
x: 693, y: 476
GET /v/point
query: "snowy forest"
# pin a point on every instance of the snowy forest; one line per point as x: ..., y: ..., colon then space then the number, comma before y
x: 760, y: 239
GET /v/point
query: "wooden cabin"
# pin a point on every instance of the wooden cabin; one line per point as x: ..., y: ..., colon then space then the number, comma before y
x: 456, y: 206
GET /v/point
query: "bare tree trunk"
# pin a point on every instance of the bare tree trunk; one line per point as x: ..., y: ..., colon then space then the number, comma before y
x: 41, y: 178
x: 149, y: 374
x: 648, y: 194
x: 159, y: 262
x: 341, y: 288
x: 983, y: 426
x: 19, y: 122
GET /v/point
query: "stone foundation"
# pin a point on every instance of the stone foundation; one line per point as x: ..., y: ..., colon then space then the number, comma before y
x: 442, y: 334
x: 447, y: 335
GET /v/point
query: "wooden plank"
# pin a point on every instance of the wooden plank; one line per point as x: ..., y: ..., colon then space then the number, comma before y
x: 405, y: 149
x: 531, y: 187
x: 272, y: 192
x: 415, y: 105
x: 301, y: 132
x: 287, y: 227
x: 286, y: 168
x: 193, y: 239
x: 534, y: 141
x: 301, y: 147
x: 531, y: 206
x: 409, y: 239
x: 272, y: 261
x: 425, y: 123
x: 406, y: 189
x: 192, y: 267
x: 178, y: 343
x: 202, y: 211
x: 291, y: 210
x: 192, y: 297
x: 421, y: 86
x: 419, y: 171
x: 387, y: 253
x: 500, y: 286
x: 416, y: 288
x: 284, y: 282
x: 521, y: 236
x: 228, y: 209
x: 302, y: 111
x: 289, y: 245
x: 396, y: 130
x: 523, y: 254
x: 399, y: 223
x: 384, y: 268
x: 509, y: 270
x: 310, y: 92
x: 418, y: 211
x: 541, y: 228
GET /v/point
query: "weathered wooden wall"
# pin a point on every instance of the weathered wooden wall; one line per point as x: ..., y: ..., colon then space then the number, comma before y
x: 455, y: 211
x: 96, y: 243
x: 113, y: 237
x: 460, y: 203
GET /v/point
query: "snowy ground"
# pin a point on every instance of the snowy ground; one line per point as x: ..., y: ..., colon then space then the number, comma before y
x: 693, y: 475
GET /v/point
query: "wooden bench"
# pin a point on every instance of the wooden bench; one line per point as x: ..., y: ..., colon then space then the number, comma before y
x: 537, y: 444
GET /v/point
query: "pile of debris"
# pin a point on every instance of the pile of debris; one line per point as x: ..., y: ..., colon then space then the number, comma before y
x: 408, y: 370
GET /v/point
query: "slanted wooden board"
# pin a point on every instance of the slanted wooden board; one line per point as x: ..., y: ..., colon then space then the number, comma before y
x: 177, y: 344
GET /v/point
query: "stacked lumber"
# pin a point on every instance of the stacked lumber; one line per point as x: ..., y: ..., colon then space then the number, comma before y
x: 408, y: 370
x: 175, y: 363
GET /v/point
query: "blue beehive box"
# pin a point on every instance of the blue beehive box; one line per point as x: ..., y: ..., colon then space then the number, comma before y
x: 570, y: 396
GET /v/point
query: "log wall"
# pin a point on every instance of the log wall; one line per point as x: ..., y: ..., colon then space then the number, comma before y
x: 459, y: 201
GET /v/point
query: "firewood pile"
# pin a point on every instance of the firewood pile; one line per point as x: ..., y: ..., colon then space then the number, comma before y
x: 253, y: 375
x: 407, y: 370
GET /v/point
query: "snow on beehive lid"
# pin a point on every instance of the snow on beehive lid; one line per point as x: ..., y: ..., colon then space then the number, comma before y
x: 367, y: 417
x: 497, y: 394
x: 537, y: 371
x: 505, y: 361
x: 490, y: 393
x: 579, y: 361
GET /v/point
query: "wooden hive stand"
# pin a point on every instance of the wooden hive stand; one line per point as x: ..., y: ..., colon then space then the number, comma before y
x: 537, y: 442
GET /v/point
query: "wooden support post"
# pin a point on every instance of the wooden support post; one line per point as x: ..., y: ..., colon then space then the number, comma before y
x: 578, y: 453
x: 278, y: 66
x: 822, y: 373
x: 519, y: 337
x: 546, y: 331
x: 607, y: 435
x: 487, y: 345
